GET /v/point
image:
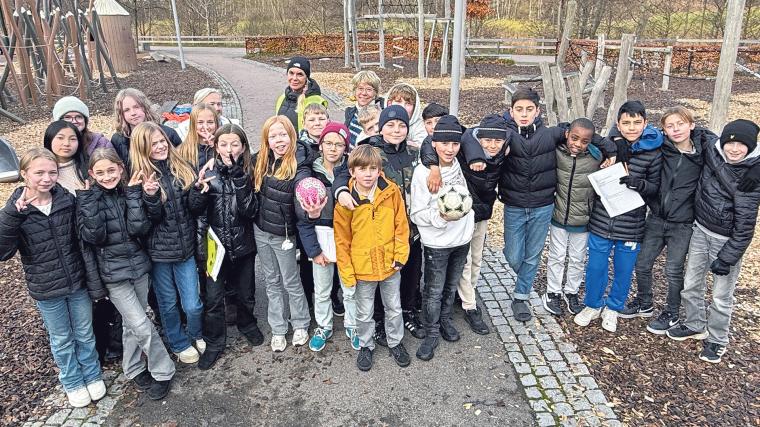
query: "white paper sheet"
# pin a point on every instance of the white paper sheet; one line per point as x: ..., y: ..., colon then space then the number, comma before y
x: 326, y: 238
x: 616, y: 197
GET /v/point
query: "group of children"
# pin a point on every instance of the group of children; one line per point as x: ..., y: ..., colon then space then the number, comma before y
x: 134, y: 216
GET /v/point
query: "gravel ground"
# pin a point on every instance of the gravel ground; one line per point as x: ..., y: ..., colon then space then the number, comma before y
x: 27, y: 371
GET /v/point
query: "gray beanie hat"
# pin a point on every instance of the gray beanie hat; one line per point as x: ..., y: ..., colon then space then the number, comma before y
x: 70, y: 103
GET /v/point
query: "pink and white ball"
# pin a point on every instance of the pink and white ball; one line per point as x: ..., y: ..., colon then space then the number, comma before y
x: 311, y: 191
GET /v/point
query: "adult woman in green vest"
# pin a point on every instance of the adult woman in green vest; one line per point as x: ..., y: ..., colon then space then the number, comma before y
x: 301, y: 91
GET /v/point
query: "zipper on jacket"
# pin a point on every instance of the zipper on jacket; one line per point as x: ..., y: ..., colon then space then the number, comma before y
x: 228, y: 217
x: 666, y: 199
x: 569, y: 192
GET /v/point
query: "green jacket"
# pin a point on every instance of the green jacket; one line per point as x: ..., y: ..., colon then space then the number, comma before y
x: 574, y: 196
x: 287, y: 103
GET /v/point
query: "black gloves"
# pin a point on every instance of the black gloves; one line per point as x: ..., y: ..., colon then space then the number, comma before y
x: 633, y: 183
x: 236, y: 168
x: 751, y: 179
x: 719, y: 267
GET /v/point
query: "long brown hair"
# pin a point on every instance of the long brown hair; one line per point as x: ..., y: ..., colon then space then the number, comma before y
x: 188, y: 150
x: 288, y: 166
x: 139, y: 157
x: 121, y: 125
x: 234, y: 129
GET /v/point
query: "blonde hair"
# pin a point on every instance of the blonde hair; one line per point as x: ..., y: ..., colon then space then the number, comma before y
x: 201, y: 94
x: 315, y: 108
x: 104, y: 153
x: 139, y: 157
x: 363, y: 156
x: 288, y: 166
x: 188, y: 150
x: 366, y: 76
x: 34, y: 154
x: 367, y: 114
x: 684, y: 113
x: 120, y: 125
x: 404, y: 91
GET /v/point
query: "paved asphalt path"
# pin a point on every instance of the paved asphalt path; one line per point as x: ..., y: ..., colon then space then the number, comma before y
x: 470, y: 382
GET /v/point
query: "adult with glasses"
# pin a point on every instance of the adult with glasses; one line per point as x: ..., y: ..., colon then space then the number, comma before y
x: 76, y: 112
x: 366, y: 85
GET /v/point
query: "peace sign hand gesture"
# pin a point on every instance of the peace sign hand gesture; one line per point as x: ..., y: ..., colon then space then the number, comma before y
x: 150, y: 187
x: 23, y: 202
x: 202, y: 181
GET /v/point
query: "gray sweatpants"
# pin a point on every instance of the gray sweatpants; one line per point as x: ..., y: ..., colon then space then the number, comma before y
x: 390, y: 292
x: 130, y: 297
x: 282, y: 277
x: 703, y: 250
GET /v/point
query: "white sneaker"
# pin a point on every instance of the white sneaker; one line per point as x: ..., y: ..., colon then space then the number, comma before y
x: 200, y: 345
x: 586, y: 316
x: 609, y: 320
x: 279, y: 343
x: 300, y: 337
x: 188, y: 355
x: 79, y: 398
x: 97, y: 390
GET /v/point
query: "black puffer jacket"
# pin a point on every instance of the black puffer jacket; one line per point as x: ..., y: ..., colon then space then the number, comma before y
x: 482, y: 184
x: 112, y: 221
x: 229, y: 207
x: 172, y: 236
x: 276, y: 199
x: 289, y: 105
x: 679, y: 177
x: 644, y: 159
x: 54, y: 265
x: 121, y: 144
x: 723, y: 209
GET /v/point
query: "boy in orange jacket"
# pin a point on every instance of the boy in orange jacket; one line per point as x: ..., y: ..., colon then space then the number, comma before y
x: 372, y: 244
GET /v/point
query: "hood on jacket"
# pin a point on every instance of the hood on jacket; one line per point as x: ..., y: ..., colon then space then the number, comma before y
x: 417, y: 132
x: 470, y: 136
x: 751, y: 159
x: 651, y: 139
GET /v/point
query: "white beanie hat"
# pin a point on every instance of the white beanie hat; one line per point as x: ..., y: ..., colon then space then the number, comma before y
x: 201, y: 94
x: 70, y: 103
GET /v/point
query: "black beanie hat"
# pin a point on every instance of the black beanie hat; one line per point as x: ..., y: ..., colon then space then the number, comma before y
x: 493, y: 126
x: 301, y: 63
x: 393, y: 112
x: 448, y: 129
x: 744, y: 131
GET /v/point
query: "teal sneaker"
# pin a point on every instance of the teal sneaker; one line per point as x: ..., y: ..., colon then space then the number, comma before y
x: 353, y: 337
x: 319, y: 340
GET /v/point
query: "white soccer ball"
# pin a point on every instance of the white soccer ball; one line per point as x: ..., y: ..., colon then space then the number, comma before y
x: 454, y: 201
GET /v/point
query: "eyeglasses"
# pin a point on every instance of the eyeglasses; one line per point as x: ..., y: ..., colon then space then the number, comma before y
x: 73, y: 118
x: 365, y: 90
x: 334, y: 145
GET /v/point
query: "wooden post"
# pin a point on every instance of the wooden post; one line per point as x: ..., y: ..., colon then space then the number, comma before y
x: 346, y: 35
x: 381, y: 33
x: 599, y: 56
x: 722, y: 94
x: 567, y: 31
x: 445, y: 47
x: 560, y: 93
x: 78, y: 60
x: 576, y: 96
x: 666, y: 69
x: 27, y: 78
x: 621, y: 80
x: 585, y: 74
x: 546, y: 78
x: 420, y: 39
x: 598, y: 91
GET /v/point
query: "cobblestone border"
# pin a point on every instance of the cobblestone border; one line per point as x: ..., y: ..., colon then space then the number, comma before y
x: 559, y: 386
x: 89, y: 416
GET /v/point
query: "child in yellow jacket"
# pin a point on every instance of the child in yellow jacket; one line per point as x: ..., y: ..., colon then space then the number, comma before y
x: 372, y: 244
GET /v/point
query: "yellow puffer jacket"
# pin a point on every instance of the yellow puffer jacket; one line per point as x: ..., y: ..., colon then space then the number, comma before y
x: 374, y: 237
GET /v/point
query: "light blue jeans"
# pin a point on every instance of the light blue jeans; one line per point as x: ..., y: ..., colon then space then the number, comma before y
x: 168, y: 279
x: 68, y: 320
x: 525, y: 231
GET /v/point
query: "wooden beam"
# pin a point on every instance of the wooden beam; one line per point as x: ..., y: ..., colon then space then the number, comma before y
x: 560, y: 94
x: 546, y: 78
x: 666, y: 69
x: 600, y: 40
x: 588, y: 67
x: 567, y: 31
x: 598, y: 91
x: 620, y: 94
x: 722, y: 94
x: 576, y: 96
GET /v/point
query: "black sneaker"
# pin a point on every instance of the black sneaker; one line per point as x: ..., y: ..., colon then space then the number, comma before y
x: 427, y: 348
x: 712, y: 352
x: 474, y: 318
x: 521, y: 310
x: 449, y: 332
x: 380, y: 337
x: 159, y: 389
x: 208, y: 359
x: 400, y: 355
x: 552, y: 303
x: 254, y: 336
x: 413, y: 325
x: 364, y: 359
x: 574, y: 305
x: 143, y: 381
x: 636, y: 309
x: 680, y: 332
x: 338, y: 308
x: 662, y: 323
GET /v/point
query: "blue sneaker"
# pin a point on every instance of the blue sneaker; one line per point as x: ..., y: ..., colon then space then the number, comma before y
x: 353, y: 337
x: 319, y: 340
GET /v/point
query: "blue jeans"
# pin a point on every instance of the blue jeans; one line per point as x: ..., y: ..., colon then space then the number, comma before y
x: 168, y: 279
x: 525, y: 231
x: 68, y: 321
x: 597, y: 271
